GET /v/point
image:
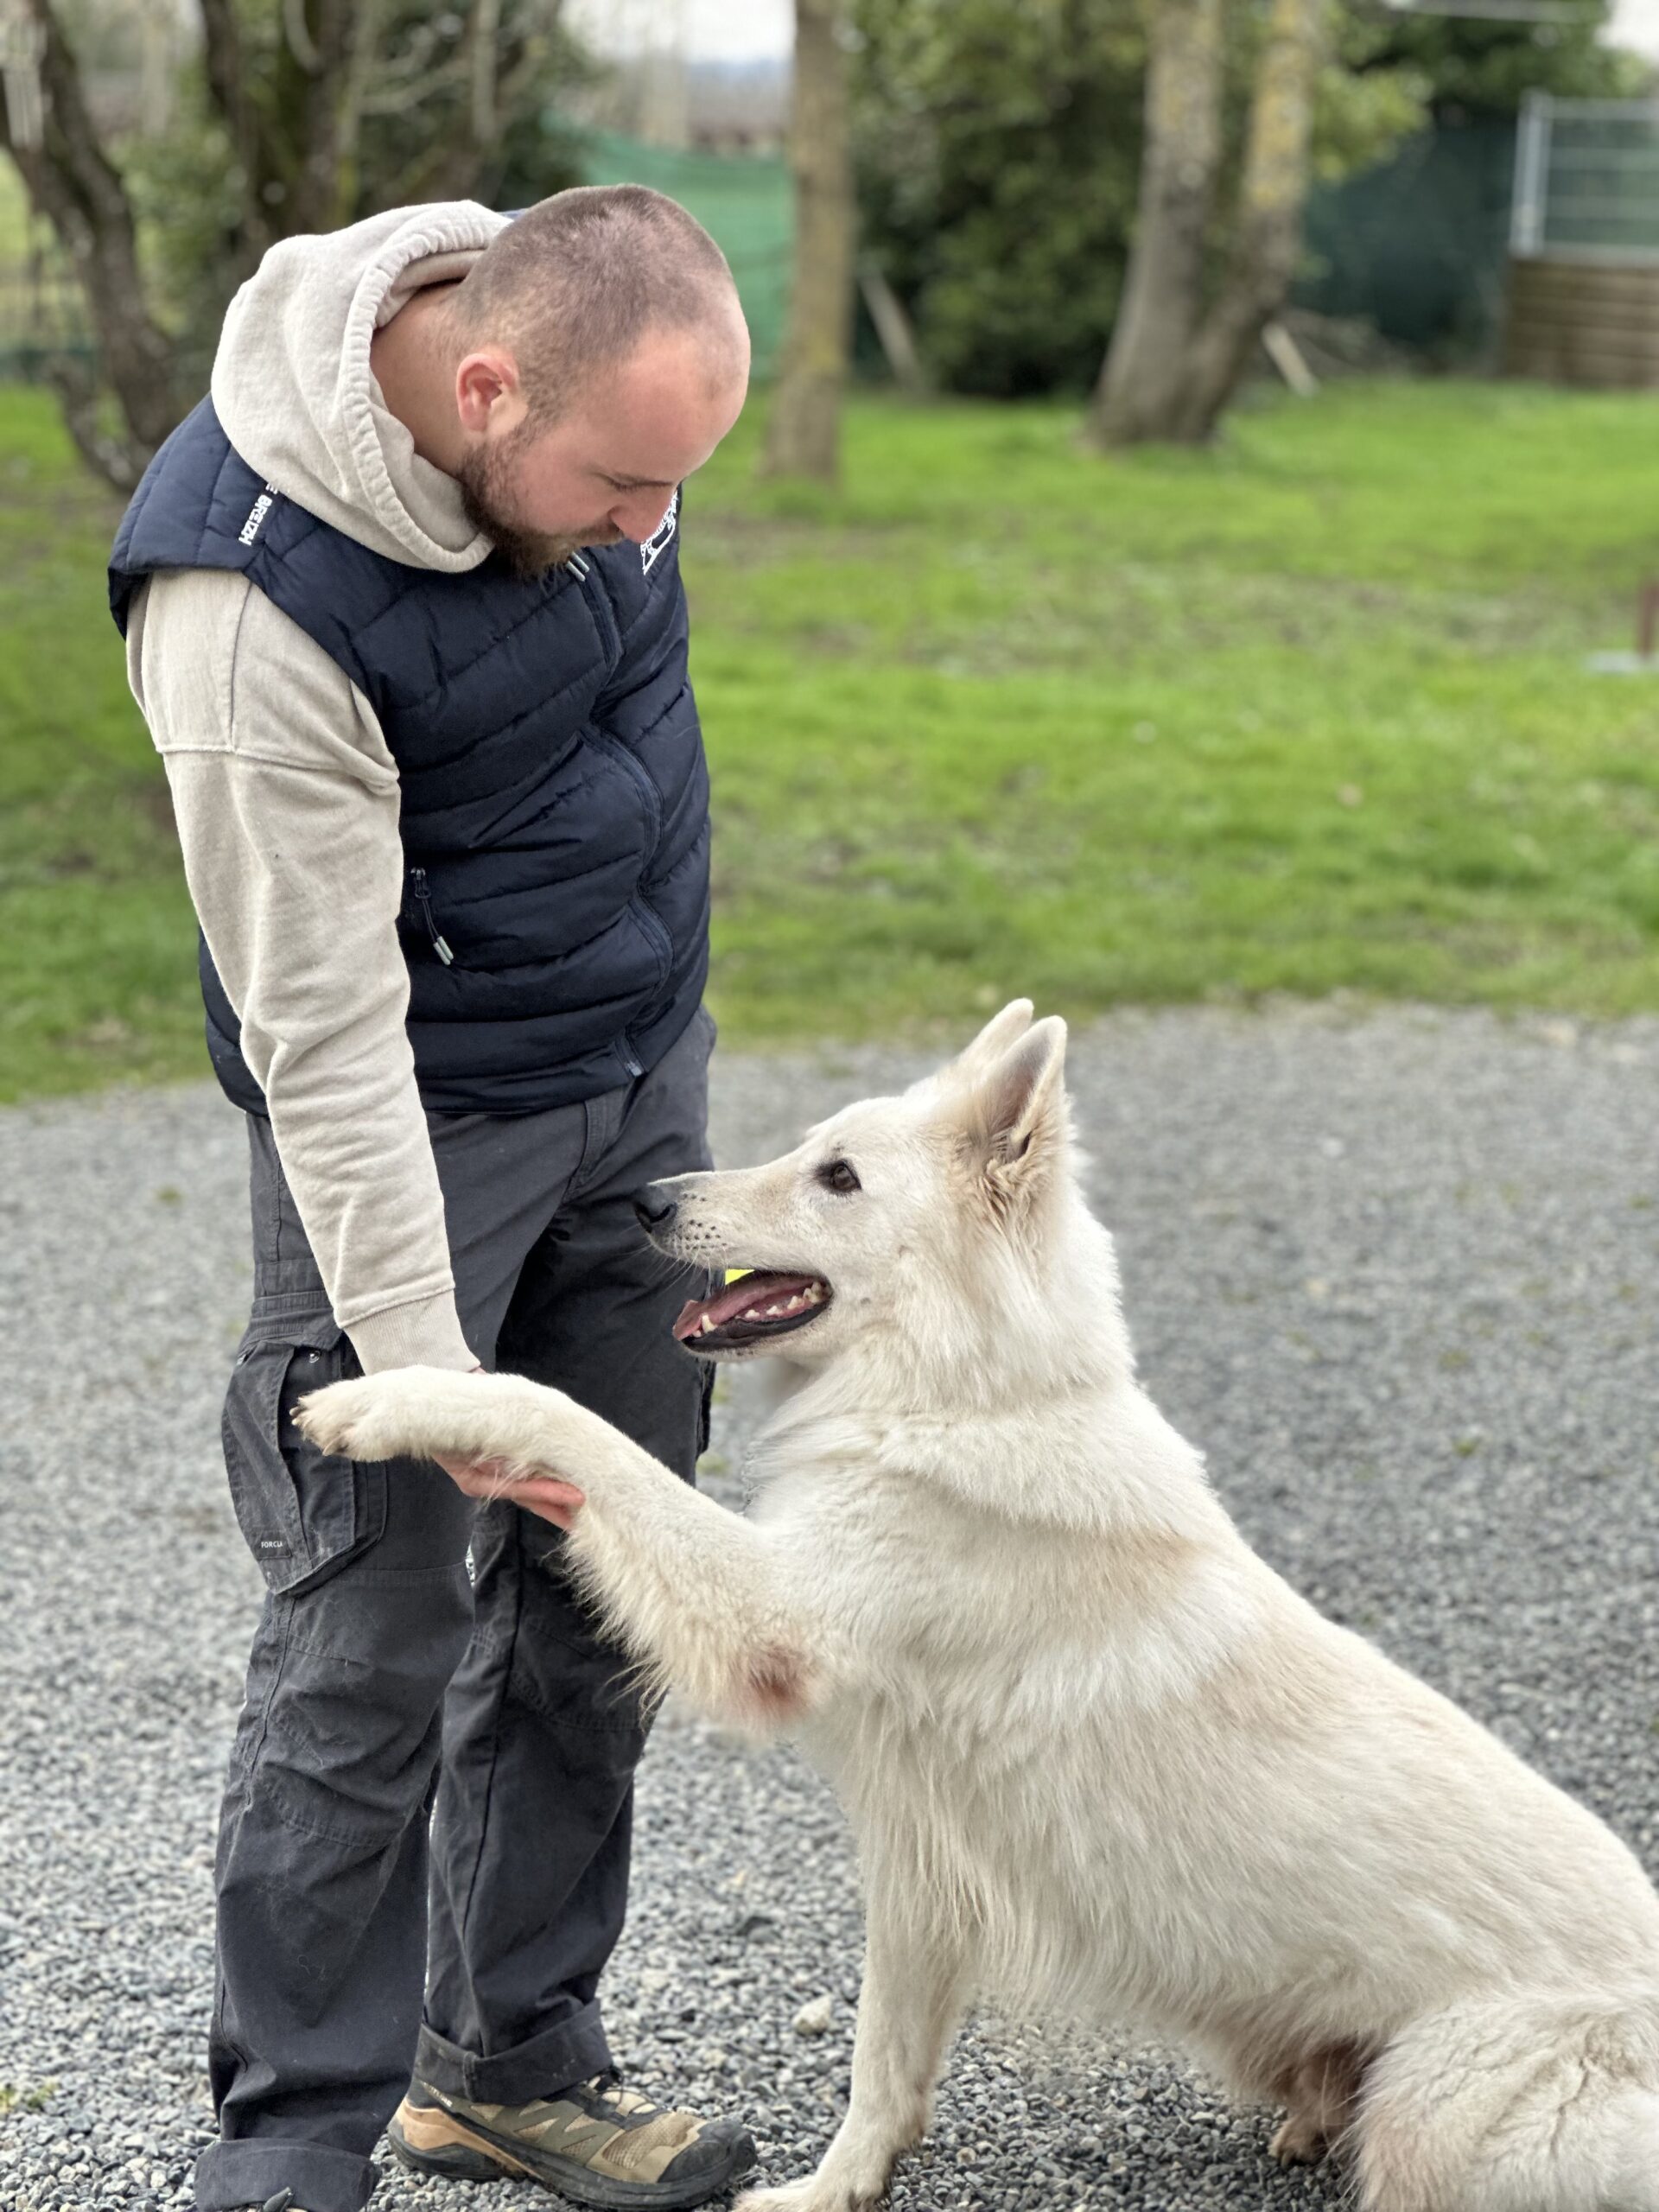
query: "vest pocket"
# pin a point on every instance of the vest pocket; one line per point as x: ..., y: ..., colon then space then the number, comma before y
x: 656, y: 935
x: 302, y: 1512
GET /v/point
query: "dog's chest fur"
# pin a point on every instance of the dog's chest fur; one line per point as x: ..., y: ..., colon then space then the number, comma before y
x: 992, y: 1729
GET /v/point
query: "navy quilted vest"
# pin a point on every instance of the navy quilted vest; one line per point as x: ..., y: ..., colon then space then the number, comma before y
x: 555, y: 799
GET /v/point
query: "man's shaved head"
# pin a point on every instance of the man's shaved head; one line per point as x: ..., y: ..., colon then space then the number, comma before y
x: 593, y: 358
x: 575, y: 283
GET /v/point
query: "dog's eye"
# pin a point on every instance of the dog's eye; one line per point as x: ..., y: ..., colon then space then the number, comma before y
x: 837, y: 1175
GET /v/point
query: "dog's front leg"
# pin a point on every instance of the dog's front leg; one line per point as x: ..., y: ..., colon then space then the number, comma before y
x: 914, y: 1988
x: 704, y: 1602
x: 707, y: 1604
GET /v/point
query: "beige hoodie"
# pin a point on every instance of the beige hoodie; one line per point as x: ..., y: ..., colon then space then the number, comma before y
x: 285, y: 793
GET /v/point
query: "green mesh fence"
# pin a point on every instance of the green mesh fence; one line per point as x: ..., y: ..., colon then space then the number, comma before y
x: 743, y: 200
x: 1418, y: 245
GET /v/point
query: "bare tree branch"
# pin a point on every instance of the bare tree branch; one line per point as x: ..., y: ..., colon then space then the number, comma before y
x: 403, y: 100
x: 294, y: 108
x: 484, y: 32
x: 361, y: 62
x: 71, y: 184
x: 415, y: 56
x: 230, y: 86
x: 519, y: 78
x: 117, y: 460
x: 300, y: 44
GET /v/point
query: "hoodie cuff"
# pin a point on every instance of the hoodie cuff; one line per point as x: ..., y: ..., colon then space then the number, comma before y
x: 424, y: 1333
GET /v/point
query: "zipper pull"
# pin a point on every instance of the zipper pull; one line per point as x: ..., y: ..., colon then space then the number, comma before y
x: 422, y: 899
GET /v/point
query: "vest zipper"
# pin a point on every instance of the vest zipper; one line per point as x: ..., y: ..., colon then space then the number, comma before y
x: 599, y: 605
x: 599, y: 602
x: 424, y: 900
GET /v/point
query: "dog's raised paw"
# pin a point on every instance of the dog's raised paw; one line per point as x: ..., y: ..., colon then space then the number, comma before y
x: 350, y: 1421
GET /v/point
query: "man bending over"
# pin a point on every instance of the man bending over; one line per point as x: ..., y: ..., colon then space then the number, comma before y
x: 403, y: 611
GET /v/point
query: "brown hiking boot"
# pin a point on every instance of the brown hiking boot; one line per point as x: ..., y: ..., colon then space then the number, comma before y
x: 597, y: 2144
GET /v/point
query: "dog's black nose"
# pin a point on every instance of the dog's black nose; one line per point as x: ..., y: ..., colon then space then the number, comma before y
x: 654, y: 1209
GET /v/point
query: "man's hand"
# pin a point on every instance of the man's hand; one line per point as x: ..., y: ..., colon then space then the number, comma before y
x: 545, y: 1495
x: 555, y: 1501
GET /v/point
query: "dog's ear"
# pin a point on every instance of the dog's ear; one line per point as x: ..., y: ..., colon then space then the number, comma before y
x: 995, y: 1039
x: 1018, y: 1118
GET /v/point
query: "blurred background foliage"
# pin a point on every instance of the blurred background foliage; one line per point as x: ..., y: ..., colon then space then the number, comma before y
x: 998, y: 151
x: 1299, y: 706
x: 996, y: 143
x: 186, y: 190
x: 399, y: 134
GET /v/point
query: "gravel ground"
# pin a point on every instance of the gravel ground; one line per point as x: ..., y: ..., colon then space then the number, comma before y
x: 1398, y: 1275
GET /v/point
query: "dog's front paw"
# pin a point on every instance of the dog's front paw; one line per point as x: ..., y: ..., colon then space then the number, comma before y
x: 342, y: 1420
x: 1299, y: 2141
x: 817, y: 2193
x: 399, y: 1414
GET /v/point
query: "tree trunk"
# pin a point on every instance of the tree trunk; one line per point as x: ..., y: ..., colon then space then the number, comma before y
x: 1163, y: 291
x: 71, y: 184
x: 1171, y: 366
x: 288, y: 134
x: 294, y: 117
x: 803, y: 433
x: 1268, y: 231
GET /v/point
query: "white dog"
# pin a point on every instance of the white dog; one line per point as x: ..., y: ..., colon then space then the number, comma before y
x: 1103, y: 1762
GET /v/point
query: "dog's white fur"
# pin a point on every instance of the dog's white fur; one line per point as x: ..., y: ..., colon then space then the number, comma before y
x: 1101, y: 1760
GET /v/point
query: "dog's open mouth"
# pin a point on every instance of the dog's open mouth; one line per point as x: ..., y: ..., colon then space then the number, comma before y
x: 760, y: 1303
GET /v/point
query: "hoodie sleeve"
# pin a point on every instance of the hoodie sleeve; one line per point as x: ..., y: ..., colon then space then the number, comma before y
x: 286, y: 797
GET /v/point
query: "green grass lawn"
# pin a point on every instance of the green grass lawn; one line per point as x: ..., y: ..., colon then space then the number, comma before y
x: 1306, y: 712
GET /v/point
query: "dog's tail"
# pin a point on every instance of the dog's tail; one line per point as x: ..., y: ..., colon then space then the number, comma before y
x: 1526, y: 2105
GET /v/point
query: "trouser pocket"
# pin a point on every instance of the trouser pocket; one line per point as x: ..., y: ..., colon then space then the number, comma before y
x: 303, y: 1513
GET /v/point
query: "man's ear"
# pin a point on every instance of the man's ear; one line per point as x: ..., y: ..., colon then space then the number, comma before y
x: 1017, y: 1118
x: 488, y: 392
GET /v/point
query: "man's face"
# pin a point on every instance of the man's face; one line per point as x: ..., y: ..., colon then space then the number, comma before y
x: 608, y: 468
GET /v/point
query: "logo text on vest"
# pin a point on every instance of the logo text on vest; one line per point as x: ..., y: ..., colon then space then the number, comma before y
x: 660, y: 537
x: 260, y: 507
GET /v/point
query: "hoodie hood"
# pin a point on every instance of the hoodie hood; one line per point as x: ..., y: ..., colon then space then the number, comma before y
x: 293, y: 388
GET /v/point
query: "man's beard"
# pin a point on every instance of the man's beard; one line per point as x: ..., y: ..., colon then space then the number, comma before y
x: 483, y: 478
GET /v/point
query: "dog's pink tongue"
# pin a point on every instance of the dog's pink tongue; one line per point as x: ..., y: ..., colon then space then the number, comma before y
x: 756, y: 1289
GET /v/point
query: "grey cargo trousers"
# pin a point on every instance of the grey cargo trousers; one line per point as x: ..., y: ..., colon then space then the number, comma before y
x: 394, y: 1683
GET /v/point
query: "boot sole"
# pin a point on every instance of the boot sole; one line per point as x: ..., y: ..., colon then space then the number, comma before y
x: 433, y: 2141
